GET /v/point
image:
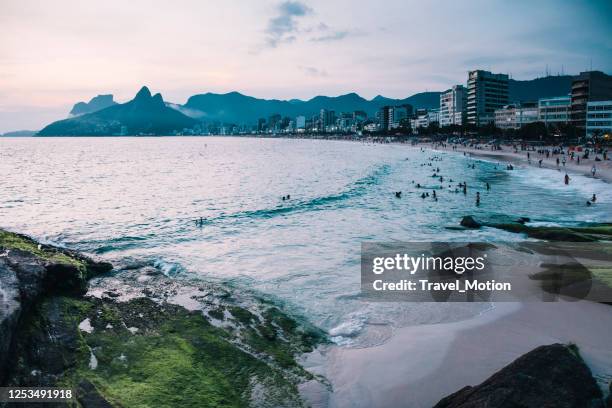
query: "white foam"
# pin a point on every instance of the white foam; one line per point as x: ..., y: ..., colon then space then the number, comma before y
x: 86, y: 326
x: 343, y: 333
x: 93, y: 361
x: 167, y: 268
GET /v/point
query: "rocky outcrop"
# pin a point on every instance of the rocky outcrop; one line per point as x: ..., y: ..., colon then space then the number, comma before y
x: 549, y: 376
x: 469, y: 222
x: 587, y: 233
x: 29, y: 271
x: 95, y: 104
x: 118, y: 346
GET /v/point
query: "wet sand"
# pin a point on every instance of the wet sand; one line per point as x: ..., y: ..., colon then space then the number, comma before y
x: 420, y: 365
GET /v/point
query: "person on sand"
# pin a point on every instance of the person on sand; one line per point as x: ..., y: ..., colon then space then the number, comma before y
x: 578, y: 159
x: 557, y: 162
x: 567, y: 179
x: 593, y: 170
x: 540, y: 162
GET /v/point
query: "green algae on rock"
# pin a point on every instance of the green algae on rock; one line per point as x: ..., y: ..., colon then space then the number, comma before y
x: 148, y: 354
x: 29, y: 272
x: 583, y: 233
x: 143, y: 351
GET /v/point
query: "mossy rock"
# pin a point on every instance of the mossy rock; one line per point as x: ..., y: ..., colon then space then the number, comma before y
x: 161, y: 355
x: 66, y: 270
x: 586, y: 233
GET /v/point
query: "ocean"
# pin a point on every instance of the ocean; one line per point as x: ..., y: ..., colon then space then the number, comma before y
x: 137, y: 199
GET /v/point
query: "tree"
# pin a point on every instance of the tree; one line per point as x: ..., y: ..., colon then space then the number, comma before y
x: 533, y: 131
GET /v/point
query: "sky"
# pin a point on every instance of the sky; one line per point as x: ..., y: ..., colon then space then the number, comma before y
x: 56, y: 53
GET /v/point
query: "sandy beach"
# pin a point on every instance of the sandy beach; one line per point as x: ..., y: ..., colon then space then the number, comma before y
x: 604, y: 168
x: 420, y: 365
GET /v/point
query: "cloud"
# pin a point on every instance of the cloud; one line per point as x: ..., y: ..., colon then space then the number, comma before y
x: 315, y: 72
x: 335, y: 36
x: 283, y: 27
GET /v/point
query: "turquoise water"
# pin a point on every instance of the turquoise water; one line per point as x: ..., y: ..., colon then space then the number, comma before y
x: 136, y: 199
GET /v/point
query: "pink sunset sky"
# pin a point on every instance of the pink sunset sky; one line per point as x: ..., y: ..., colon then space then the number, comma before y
x: 56, y: 53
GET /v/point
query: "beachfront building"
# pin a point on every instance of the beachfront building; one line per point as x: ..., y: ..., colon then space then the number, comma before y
x: 486, y: 93
x: 590, y: 86
x: 453, y: 103
x: 599, y: 119
x: 424, y: 118
x: 401, y: 115
x: 274, y: 122
x: 327, y: 119
x: 391, y: 117
x: 516, y: 116
x: 345, y: 121
x: 385, y: 117
x: 555, y: 110
x: 300, y: 122
x: 433, y: 116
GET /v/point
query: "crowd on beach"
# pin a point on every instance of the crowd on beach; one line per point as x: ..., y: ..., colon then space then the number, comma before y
x: 596, y: 159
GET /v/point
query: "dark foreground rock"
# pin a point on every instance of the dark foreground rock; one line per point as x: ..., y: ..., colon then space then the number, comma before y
x: 550, y: 376
x: 142, y: 351
x: 30, y: 271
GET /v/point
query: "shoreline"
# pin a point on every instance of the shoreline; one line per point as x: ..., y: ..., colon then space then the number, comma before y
x: 604, y: 168
x: 420, y: 365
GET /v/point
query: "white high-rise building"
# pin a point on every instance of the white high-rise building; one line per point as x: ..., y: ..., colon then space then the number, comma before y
x: 453, y: 105
x: 486, y: 93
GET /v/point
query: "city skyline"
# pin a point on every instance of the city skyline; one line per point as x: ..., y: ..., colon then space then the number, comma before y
x: 69, y: 52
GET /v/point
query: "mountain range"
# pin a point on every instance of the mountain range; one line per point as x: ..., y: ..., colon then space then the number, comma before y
x: 532, y: 90
x: 147, y: 114
x: 235, y: 107
x: 95, y: 104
